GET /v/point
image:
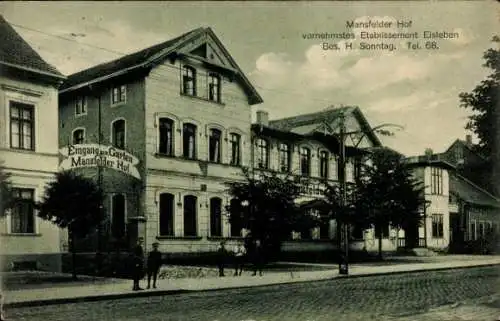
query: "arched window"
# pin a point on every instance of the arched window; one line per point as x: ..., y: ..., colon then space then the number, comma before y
x: 305, y: 161
x: 236, y: 220
x: 189, y: 141
x: 262, y: 153
x: 166, y: 214
x: 214, y: 145
x: 235, y: 146
x: 284, y: 156
x: 118, y: 134
x: 78, y: 136
x: 190, y: 213
x: 215, y: 216
x: 166, y: 136
x: 189, y: 81
x: 118, y: 216
x: 323, y: 164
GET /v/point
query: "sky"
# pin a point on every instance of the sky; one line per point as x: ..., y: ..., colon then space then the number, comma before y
x: 417, y: 89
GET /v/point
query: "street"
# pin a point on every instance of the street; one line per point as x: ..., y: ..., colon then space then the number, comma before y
x: 390, y: 297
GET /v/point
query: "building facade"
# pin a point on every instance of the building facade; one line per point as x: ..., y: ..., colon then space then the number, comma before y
x: 29, y: 151
x: 180, y: 112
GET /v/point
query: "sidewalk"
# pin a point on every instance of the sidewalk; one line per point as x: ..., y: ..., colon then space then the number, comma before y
x: 122, y: 288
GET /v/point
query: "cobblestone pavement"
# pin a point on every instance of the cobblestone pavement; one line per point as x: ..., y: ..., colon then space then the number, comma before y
x: 408, y: 297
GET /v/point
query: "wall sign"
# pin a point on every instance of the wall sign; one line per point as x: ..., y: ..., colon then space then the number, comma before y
x: 94, y: 155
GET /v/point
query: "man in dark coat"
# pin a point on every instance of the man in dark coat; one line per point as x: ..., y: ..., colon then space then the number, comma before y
x: 221, y: 258
x: 154, y: 264
x: 138, y: 264
x: 257, y: 257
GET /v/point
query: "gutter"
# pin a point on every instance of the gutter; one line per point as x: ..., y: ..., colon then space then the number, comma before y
x: 62, y: 77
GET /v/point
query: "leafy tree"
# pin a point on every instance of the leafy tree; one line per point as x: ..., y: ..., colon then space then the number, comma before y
x: 483, y: 102
x: 5, y: 190
x: 74, y: 202
x: 265, y: 205
x: 389, y: 195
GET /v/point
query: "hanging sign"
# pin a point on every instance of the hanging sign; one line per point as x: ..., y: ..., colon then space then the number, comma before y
x: 94, y: 155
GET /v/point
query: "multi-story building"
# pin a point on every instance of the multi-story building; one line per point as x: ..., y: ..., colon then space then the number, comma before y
x: 172, y: 125
x: 29, y: 151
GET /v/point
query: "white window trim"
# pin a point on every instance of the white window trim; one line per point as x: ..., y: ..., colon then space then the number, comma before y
x: 119, y: 103
x: 111, y: 136
x: 84, y: 134
x: 223, y: 141
x: 158, y: 194
x: 36, y: 224
x: 111, y: 210
x: 86, y: 105
x: 198, y: 135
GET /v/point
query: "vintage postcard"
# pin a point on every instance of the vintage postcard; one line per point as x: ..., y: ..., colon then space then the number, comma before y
x: 249, y: 160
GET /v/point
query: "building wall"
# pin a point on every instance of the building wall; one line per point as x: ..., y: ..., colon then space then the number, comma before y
x: 179, y: 176
x: 439, y: 205
x: 30, y: 169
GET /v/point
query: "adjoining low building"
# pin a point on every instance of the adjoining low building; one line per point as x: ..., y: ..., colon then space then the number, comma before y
x: 29, y: 150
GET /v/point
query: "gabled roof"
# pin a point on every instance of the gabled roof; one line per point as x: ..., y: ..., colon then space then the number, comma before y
x: 326, y: 116
x: 464, y: 144
x: 15, y: 52
x: 146, y: 58
x: 471, y: 193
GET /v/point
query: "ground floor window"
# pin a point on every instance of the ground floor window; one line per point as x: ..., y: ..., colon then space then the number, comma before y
x: 472, y: 232
x: 22, y: 215
x: 215, y: 216
x: 236, y: 221
x: 437, y: 226
x: 166, y: 217
x: 190, y: 215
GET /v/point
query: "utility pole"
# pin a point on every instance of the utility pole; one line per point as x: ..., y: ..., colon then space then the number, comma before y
x: 99, y: 184
x: 342, y: 225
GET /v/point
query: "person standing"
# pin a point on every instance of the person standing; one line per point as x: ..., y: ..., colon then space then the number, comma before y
x: 138, y: 264
x: 221, y: 258
x: 257, y: 258
x: 154, y: 264
x: 239, y: 258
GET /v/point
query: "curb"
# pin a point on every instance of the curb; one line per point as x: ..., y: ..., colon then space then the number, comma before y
x: 142, y: 294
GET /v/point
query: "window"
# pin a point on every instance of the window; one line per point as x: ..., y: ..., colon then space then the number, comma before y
x: 437, y: 226
x: 119, y: 95
x: 323, y: 164
x: 235, y: 144
x: 118, y: 134
x: 284, y: 157
x: 166, y: 214
x: 335, y: 169
x: 357, y: 168
x: 189, y: 81
x: 480, y: 230
x: 22, y: 213
x: 236, y: 221
x: 214, y: 87
x: 262, y: 153
x: 22, y: 126
x: 215, y: 216
x: 78, y: 136
x: 305, y: 161
x: 382, y: 229
x: 190, y: 210
x: 189, y: 141
x: 166, y: 137
x: 214, y: 146
x: 81, y: 105
x: 118, y: 216
x: 436, y: 181
x: 472, y: 233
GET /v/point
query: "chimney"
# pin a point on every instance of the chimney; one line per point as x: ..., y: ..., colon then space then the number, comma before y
x: 263, y: 118
x: 468, y: 140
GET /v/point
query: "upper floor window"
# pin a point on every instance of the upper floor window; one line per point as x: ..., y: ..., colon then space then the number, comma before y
x: 189, y: 141
x: 78, y: 136
x: 323, y: 164
x: 119, y: 94
x: 436, y: 181
x: 214, y: 87
x: 81, y: 105
x: 189, y: 81
x: 22, y: 126
x: 334, y: 170
x: 166, y: 136
x: 214, y: 145
x: 235, y: 145
x: 262, y: 153
x: 22, y: 216
x: 118, y: 134
x: 284, y: 157
x: 305, y: 161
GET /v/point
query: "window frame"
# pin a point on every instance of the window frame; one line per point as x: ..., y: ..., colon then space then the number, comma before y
x: 21, y: 107
x: 121, y: 95
x: 81, y: 105
x: 235, y: 158
x: 437, y: 181
x: 185, y: 153
x: 284, y: 149
x: 437, y: 226
x: 28, y: 201
x: 113, y: 134
x: 74, y: 131
x: 214, y: 80
x: 170, y: 229
x: 170, y: 152
x: 195, y: 219
x: 307, y: 156
x: 324, y: 162
x: 217, y: 222
x: 262, y: 146
x: 212, y: 133
x: 189, y: 78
